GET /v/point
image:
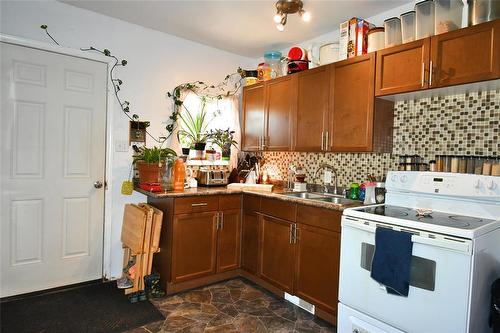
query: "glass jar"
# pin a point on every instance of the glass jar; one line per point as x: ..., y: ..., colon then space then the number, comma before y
x: 487, y: 166
x: 462, y: 164
x: 446, y: 163
x: 454, y: 164
x: 167, y: 176
x: 432, y: 166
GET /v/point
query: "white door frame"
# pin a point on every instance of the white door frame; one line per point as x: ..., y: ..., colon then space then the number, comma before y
x: 106, y: 256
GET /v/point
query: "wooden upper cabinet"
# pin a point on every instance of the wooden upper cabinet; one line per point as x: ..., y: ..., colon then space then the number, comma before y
x: 352, y: 104
x: 311, y: 116
x: 466, y: 55
x: 253, y: 117
x: 280, y: 105
x: 277, y: 253
x: 194, y: 246
x: 403, y: 68
x: 317, y: 262
x: 228, y: 252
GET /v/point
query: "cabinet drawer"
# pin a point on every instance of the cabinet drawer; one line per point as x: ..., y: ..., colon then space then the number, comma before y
x: 319, y: 217
x: 232, y: 201
x: 251, y: 203
x: 196, y: 204
x: 279, y: 208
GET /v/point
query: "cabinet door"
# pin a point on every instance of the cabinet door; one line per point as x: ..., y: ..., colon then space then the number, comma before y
x: 228, y: 249
x: 466, y: 55
x: 312, y: 109
x: 403, y: 68
x: 250, y: 242
x: 253, y: 117
x: 318, y: 258
x: 352, y: 104
x: 280, y: 104
x: 194, y: 246
x: 277, y: 253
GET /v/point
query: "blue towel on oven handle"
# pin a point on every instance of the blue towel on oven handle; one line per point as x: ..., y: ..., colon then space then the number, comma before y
x: 391, y: 264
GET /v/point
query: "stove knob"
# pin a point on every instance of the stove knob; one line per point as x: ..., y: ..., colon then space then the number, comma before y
x: 477, y: 184
x: 491, y: 185
x: 404, y: 179
x: 394, y: 178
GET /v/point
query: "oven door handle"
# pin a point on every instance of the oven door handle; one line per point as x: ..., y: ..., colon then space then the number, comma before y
x: 462, y: 246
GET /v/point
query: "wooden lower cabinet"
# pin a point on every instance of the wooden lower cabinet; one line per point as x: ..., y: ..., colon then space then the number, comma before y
x: 250, y: 240
x: 228, y: 247
x: 277, y: 253
x: 317, y: 266
x: 194, y: 246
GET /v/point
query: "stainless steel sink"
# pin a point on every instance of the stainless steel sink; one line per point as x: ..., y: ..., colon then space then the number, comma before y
x: 338, y: 200
x: 304, y: 195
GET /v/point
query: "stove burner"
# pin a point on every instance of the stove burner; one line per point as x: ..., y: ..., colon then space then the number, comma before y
x: 465, y: 218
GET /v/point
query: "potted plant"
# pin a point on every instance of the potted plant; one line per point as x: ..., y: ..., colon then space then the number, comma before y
x: 150, y: 162
x: 224, y: 139
x: 194, y: 129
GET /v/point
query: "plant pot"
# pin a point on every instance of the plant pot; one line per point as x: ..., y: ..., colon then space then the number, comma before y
x: 226, y: 152
x: 185, y: 151
x: 200, y: 146
x: 149, y: 172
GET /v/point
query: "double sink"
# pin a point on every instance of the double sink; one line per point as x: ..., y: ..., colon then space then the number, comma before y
x: 335, y: 199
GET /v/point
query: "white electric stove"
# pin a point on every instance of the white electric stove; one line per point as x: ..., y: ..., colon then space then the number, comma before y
x: 454, y: 220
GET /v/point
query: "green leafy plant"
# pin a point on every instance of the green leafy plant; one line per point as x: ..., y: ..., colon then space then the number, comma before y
x: 194, y: 128
x: 223, y: 138
x: 154, y: 155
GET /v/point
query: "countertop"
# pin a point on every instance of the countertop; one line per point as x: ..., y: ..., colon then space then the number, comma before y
x: 276, y: 194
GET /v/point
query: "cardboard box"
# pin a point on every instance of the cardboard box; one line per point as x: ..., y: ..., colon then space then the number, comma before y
x: 357, y: 43
x: 344, y: 38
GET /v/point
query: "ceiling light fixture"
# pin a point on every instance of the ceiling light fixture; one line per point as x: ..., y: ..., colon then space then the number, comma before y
x: 285, y: 7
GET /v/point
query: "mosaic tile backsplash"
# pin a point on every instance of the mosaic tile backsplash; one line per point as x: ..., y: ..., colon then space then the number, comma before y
x: 464, y: 124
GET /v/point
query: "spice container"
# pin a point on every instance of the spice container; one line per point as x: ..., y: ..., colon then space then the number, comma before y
x: 470, y: 164
x: 454, y: 164
x: 402, y: 167
x: 432, y: 166
x: 439, y: 163
x: 408, y: 26
x: 495, y: 167
x: 478, y: 165
x: 487, y: 166
x: 446, y: 163
x: 392, y: 31
x: 376, y: 39
x: 462, y: 164
x: 448, y: 15
x: 424, y: 23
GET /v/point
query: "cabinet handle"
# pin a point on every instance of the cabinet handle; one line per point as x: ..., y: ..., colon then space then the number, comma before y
x: 221, y: 217
x: 199, y: 204
x: 431, y: 69
x: 217, y: 221
x: 322, y: 141
x: 423, y: 74
x: 295, y: 238
x: 291, y: 233
x: 326, y: 141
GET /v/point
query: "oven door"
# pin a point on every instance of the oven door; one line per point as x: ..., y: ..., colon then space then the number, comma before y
x: 439, y: 284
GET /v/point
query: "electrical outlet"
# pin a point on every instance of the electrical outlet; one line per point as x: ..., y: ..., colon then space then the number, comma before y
x: 327, y: 177
x: 121, y: 146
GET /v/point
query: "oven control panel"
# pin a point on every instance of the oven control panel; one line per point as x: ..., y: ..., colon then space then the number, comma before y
x: 453, y: 184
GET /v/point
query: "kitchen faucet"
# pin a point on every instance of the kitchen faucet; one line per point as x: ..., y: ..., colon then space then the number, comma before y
x: 333, y: 170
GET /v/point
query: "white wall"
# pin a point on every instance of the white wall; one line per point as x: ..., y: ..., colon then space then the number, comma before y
x: 157, y: 62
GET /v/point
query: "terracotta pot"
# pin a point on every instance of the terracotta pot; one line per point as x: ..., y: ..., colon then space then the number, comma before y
x: 149, y: 172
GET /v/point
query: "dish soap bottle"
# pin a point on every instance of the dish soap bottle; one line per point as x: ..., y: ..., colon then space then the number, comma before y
x: 179, y: 175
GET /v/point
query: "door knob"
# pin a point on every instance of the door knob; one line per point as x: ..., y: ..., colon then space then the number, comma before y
x: 97, y: 184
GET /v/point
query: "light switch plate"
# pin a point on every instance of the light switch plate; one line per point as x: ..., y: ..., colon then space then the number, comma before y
x: 121, y: 146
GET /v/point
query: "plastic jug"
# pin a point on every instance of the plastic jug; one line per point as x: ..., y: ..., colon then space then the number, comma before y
x: 179, y: 175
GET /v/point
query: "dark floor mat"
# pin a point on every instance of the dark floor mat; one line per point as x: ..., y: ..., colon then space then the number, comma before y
x: 95, y: 308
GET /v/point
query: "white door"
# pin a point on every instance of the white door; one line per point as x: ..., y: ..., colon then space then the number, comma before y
x: 53, y: 126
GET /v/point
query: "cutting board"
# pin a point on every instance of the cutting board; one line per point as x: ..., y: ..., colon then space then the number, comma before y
x: 134, y: 222
x: 251, y: 187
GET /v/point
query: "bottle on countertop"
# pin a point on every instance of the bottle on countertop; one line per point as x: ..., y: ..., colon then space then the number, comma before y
x: 179, y: 175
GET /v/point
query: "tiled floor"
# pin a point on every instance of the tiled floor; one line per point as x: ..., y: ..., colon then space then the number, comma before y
x: 232, y: 306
